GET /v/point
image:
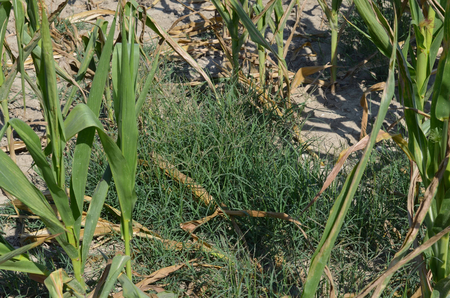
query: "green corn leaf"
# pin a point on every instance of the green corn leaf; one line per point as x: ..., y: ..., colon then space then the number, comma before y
x: 24, y: 266
x: 116, y: 268
x: 93, y: 214
x: 33, y: 143
x: 81, y: 118
x: 54, y: 284
x: 10, y: 256
x: 321, y: 255
x: 442, y: 288
x: 416, y: 18
x: 14, y: 181
x: 19, y: 16
x: 37, y: 53
x: 129, y: 289
x: 256, y: 36
x: 417, y: 141
x: 148, y: 82
x: 52, y: 111
x: 224, y: 13
x: 89, y: 50
x: 83, y: 150
x: 326, y: 9
x: 435, y: 45
x: 377, y: 32
x: 5, y: 9
x: 124, y: 99
x: 284, y: 15
x: 87, y: 59
x: 342, y: 204
x: 441, y: 94
x: 85, y: 138
x: 7, y: 84
x: 60, y: 285
x: 335, y: 5
x: 33, y: 15
x: 443, y: 218
x: 172, y: 43
x: 382, y: 20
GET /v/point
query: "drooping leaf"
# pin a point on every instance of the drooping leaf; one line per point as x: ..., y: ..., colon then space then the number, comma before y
x: 342, y: 203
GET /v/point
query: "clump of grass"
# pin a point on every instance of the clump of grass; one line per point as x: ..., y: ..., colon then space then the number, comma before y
x: 247, y: 161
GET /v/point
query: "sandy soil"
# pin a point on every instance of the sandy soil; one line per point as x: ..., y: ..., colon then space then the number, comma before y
x: 332, y: 122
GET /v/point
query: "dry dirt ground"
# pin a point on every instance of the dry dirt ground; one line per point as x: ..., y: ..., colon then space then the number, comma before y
x: 331, y: 122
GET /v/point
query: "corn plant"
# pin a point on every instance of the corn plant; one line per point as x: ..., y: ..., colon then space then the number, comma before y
x: 262, y: 24
x: 5, y: 9
x: 235, y: 13
x: 332, y: 16
x: 427, y: 146
x: 83, y: 123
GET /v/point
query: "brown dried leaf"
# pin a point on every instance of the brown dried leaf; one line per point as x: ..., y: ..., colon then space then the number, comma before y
x: 303, y: 72
x: 89, y: 15
x: 190, y: 226
x: 330, y: 279
x: 101, y: 282
x: 363, y: 101
x: 400, y: 259
x: 297, y: 22
x: 197, y: 190
x: 342, y: 158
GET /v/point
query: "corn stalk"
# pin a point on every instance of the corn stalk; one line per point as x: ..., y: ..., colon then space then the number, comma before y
x: 428, y: 145
x: 83, y: 123
x: 332, y: 17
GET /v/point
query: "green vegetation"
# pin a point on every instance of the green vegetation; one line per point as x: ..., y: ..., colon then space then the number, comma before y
x: 156, y: 187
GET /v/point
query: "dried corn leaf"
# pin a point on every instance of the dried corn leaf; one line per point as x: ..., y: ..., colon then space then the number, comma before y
x: 190, y: 226
x: 328, y: 274
x: 89, y: 15
x: 291, y: 35
x: 193, y: 26
x: 302, y: 73
x: 297, y: 51
x: 363, y: 102
x: 197, y: 190
x: 341, y: 160
x: 18, y: 146
x: 145, y: 284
